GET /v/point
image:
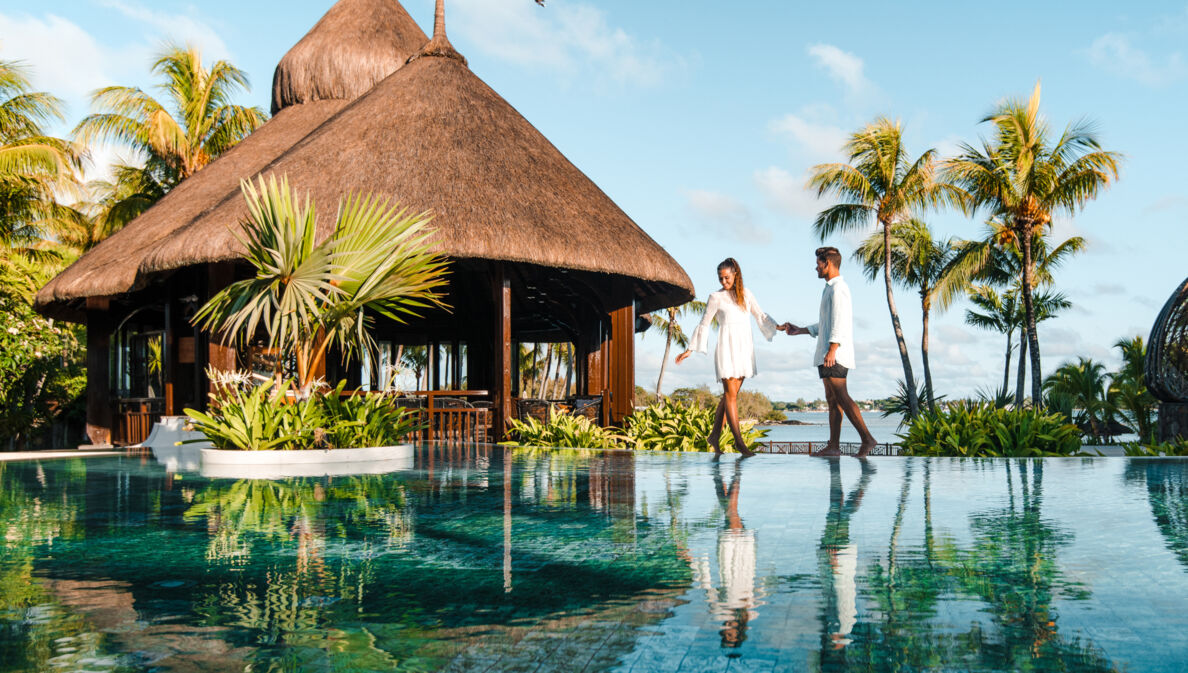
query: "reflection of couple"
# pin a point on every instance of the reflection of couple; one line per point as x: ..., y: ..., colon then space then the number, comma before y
x: 839, y: 558
x: 734, y: 360
x: 733, y: 602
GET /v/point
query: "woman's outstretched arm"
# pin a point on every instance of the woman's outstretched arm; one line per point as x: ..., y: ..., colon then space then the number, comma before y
x: 767, y: 325
x: 699, y: 342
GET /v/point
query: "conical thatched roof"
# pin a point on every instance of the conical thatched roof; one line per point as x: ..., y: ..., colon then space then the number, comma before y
x: 352, y: 47
x: 433, y: 136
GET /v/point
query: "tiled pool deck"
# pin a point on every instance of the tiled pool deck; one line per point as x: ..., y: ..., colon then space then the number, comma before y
x: 491, y: 559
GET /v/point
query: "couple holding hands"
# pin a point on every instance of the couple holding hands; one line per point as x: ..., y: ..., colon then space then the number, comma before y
x: 734, y: 359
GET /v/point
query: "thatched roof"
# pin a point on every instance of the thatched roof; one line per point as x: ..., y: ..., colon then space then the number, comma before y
x: 114, y: 266
x: 434, y: 137
x: 354, y: 46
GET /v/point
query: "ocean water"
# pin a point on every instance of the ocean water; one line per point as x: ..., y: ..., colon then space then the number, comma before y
x: 817, y: 428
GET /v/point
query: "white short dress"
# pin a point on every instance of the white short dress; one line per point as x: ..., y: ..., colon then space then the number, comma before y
x: 735, y: 356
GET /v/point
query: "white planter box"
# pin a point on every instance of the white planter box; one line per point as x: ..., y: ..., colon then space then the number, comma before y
x: 235, y: 464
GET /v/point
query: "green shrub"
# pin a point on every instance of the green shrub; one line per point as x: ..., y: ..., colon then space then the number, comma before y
x: 562, y: 430
x: 980, y: 429
x: 1177, y: 448
x: 265, y: 418
x: 681, y: 427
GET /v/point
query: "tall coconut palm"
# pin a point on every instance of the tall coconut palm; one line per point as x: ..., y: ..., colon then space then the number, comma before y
x: 936, y: 269
x: 880, y: 186
x: 35, y: 169
x: 667, y: 325
x: 176, y: 139
x: 1024, y: 178
x: 999, y: 313
x: 307, y: 296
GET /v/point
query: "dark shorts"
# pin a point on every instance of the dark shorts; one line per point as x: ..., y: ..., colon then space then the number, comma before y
x: 834, y: 372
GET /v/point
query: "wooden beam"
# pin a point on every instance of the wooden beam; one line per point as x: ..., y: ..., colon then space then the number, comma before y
x: 99, y: 326
x: 503, y: 351
x: 219, y: 356
x: 622, y: 363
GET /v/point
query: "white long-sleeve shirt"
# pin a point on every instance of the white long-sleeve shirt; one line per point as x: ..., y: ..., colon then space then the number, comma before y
x: 835, y: 324
x: 735, y: 355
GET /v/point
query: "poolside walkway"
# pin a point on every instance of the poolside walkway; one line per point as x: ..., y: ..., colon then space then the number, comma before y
x: 49, y: 455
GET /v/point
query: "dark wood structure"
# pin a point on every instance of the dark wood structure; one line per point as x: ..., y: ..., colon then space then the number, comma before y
x: 1167, y: 365
x: 366, y: 103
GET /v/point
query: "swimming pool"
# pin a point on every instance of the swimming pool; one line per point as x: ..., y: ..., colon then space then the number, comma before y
x: 491, y: 559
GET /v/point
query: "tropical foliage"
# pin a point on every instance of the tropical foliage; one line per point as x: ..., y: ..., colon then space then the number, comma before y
x: 42, y: 375
x: 267, y: 417
x: 307, y: 296
x: 881, y: 185
x: 968, y: 429
x: 1022, y: 177
x: 562, y: 430
x: 679, y: 427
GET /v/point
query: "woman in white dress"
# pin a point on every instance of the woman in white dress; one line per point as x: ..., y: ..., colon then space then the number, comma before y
x: 734, y: 360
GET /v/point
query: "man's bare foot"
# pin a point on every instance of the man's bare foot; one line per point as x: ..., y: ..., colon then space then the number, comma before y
x: 866, y: 447
x: 746, y: 453
x: 828, y: 451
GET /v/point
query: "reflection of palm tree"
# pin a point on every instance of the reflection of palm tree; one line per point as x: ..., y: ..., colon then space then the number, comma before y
x: 1167, y: 493
x: 838, y: 562
x: 734, y: 601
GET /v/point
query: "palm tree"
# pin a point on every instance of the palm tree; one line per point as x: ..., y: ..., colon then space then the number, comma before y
x: 880, y: 186
x: 1079, y: 390
x: 999, y: 312
x: 35, y: 169
x: 308, y: 296
x: 935, y: 269
x: 1023, y: 178
x: 1128, y: 386
x: 672, y: 332
x: 199, y: 124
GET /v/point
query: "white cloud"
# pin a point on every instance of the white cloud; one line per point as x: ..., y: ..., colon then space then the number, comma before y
x: 786, y: 193
x: 177, y: 28
x: 1114, y: 53
x: 842, y: 66
x: 820, y: 142
x: 62, y: 57
x: 726, y: 215
x: 567, y: 37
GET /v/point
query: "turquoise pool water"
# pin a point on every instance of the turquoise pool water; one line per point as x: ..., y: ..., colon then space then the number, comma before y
x: 488, y: 559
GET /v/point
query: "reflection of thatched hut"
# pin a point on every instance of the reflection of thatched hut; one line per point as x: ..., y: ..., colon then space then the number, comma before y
x: 539, y: 252
x: 1167, y: 365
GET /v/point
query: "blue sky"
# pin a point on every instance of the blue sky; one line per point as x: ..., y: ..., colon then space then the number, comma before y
x: 700, y: 119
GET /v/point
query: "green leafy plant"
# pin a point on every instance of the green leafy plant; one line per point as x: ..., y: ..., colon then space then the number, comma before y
x: 267, y: 417
x: 981, y: 430
x: 307, y: 296
x: 1176, y: 448
x: 681, y: 427
x: 563, y: 430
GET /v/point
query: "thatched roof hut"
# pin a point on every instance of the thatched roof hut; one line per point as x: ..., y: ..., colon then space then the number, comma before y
x: 356, y: 45
x: 434, y: 137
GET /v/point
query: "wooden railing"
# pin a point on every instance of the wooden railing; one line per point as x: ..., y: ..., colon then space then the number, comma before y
x: 134, y: 420
x: 450, y: 423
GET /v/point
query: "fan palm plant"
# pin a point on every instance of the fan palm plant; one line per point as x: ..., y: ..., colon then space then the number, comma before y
x: 1024, y: 178
x: 671, y: 329
x: 308, y: 296
x: 176, y: 141
x: 999, y: 313
x: 881, y: 186
x: 936, y: 269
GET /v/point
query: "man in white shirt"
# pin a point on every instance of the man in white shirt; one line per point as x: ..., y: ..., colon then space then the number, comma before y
x: 835, y: 352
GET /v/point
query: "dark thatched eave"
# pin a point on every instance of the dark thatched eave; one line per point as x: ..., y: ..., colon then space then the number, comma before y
x: 434, y: 137
x: 354, y: 46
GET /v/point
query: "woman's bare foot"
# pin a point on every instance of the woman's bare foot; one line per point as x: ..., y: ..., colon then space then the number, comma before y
x: 713, y: 442
x: 866, y: 447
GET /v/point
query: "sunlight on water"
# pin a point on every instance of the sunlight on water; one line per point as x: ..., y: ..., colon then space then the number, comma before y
x: 490, y: 559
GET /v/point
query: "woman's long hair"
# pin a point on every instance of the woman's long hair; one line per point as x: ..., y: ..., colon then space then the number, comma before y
x: 736, y: 291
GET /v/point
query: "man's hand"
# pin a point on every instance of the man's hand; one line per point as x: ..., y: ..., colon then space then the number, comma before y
x: 831, y: 356
x: 793, y: 330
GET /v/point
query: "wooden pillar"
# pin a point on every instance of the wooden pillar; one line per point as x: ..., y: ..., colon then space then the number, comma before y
x: 502, y: 389
x: 99, y: 326
x: 622, y: 363
x: 219, y: 355
x: 169, y: 351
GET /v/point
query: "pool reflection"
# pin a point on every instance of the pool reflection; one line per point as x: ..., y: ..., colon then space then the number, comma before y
x: 492, y: 558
